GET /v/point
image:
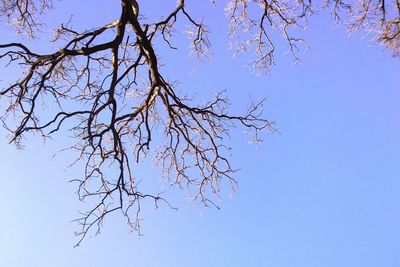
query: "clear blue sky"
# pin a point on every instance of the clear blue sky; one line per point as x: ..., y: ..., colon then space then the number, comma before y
x: 325, y: 192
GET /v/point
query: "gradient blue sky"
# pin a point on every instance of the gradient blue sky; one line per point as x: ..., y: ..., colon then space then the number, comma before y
x: 325, y: 192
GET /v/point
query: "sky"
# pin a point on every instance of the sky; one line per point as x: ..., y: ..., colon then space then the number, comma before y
x: 324, y: 191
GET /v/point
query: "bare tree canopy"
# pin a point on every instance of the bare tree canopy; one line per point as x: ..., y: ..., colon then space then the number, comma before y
x: 112, y: 95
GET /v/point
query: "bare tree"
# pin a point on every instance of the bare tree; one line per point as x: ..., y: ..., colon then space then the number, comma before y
x: 379, y: 17
x: 114, y: 98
